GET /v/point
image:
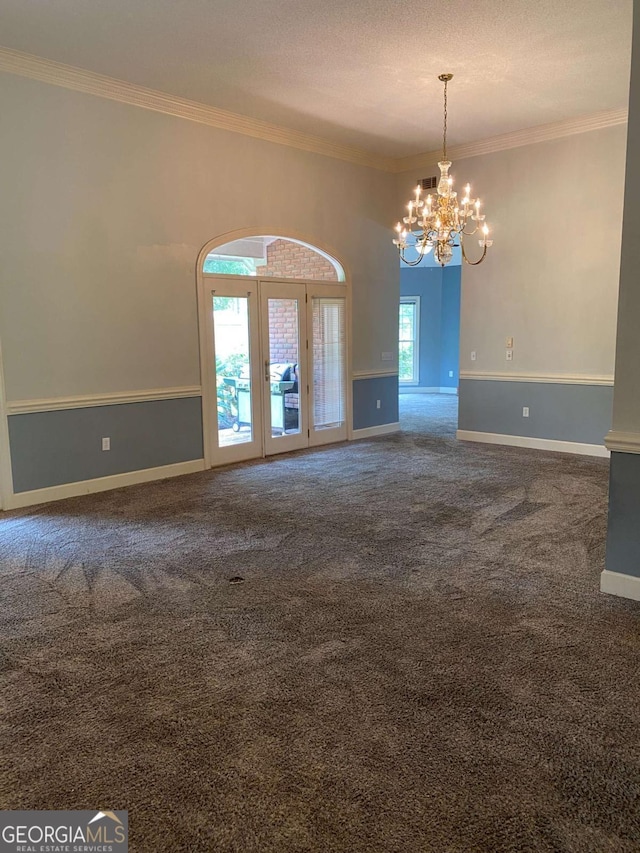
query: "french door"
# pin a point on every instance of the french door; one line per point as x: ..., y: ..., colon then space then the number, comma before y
x: 284, y: 350
x: 276, y: 355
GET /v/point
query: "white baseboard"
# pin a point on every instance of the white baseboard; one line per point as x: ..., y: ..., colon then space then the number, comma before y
x: 102, y: 484
x: 371, y: 432
x: 448, y: 390
x: 615, y: 583
x: 533, y: 443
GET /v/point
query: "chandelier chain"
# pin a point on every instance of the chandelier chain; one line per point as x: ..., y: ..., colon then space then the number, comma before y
x: 444, y: 130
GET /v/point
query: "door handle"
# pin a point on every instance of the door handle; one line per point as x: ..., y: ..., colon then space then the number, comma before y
x: 266, y: 370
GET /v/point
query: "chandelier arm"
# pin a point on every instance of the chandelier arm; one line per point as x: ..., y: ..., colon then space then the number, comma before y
x: 469, y: 233
x: 473, y: 263
x: 409, y: 263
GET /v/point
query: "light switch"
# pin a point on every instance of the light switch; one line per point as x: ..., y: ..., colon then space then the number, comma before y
x: 509, y: 343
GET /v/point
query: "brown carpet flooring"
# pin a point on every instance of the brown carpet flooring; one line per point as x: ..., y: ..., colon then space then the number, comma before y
x: 418, y: 659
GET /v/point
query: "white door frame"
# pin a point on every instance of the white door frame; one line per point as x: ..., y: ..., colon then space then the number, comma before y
x: 207, y: 371
x: 273, y: 288
x: 247, y: 285
x: 206, y: 366
x: 333, y: 434
x: 246, y: 288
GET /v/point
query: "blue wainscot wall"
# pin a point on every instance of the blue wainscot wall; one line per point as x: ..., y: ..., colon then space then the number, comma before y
x: 368, y: 392
x: 59, y: 447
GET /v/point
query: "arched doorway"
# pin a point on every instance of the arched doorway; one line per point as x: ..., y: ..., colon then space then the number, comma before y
x: 273, y: 324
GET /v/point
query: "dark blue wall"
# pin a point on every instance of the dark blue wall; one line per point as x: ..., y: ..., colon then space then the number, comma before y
x: 439, y: 292
x: 450, y: 328
x: 623, y: 541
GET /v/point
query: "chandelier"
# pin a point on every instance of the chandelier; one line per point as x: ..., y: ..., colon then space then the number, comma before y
x: 441, y: 222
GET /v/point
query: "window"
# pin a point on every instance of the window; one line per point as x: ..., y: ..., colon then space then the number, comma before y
x: 409, y: 373
x: 228, y: 265
x: 273, y: 257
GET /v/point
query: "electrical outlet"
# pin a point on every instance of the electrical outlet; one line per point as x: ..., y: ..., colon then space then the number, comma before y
x: 387, y: 356
x: 377, y: 404
x: 473, y: 355
x: 451, y: 374
x: 525, y: 411
x: 509, y: 355
x: 106, y: 444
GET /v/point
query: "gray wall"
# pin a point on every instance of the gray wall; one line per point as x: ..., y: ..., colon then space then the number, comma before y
x: 51, y: 448
x: 105, y: 208
x: 626, y: 405
x: 578, y: 413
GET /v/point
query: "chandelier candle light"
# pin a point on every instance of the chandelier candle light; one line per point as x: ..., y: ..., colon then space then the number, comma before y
x: 440, y: 222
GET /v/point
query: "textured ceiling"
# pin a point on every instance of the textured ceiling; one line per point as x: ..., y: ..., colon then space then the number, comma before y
x: 361, y: 72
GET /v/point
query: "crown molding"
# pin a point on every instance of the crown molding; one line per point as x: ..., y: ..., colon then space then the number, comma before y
x: 529, y: 136
x: 79, y: 80
x: 88, y: 82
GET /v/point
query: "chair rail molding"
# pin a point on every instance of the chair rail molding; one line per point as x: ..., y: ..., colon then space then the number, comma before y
x: 546, y: 378
x: 622, y: 442
x: 85, y: 401
x: 374, y: 374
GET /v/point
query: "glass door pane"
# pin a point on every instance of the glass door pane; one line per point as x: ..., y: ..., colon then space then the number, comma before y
x: 284, y: 369
x: 329, y: 397
x: 233, y: 369
x: 327, y: 318
x: 234, y: 413
x: 285, y: 359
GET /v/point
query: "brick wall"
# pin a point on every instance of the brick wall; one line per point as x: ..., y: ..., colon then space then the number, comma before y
x: 283, y: 331
x: 291, y: 260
